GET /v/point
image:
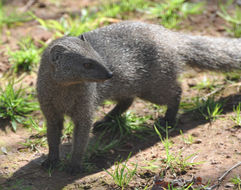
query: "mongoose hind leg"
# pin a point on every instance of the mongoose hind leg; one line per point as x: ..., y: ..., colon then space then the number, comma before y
x: 121, y: 107
x: 172, y: 109
x: 171, y: 98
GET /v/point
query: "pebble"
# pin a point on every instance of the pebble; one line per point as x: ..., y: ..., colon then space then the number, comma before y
x: 229, y: 185
x: 198, y: 141
x: 195, y: 134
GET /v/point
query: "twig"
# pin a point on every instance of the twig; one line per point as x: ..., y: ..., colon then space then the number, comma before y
x: 223, y: 176
x: 221, y: 88
x: 228, y: 171
x: 214, y: 92
x: 194, y: 158
x: 28, y: 5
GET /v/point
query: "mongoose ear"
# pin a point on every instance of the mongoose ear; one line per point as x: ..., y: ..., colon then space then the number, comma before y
x: 56, y: 52
x: 82, y: 37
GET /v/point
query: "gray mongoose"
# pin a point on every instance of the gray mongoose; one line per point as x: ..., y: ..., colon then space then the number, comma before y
x: 75, y: 75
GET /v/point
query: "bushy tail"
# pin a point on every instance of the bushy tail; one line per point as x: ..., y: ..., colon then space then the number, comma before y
x: 219, y: 54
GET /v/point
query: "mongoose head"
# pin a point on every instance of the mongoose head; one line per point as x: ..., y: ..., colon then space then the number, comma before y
x: 73, y: 60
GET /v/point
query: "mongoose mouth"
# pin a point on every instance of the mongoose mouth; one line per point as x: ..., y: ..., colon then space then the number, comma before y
x: 96, y: 80
x: 81, y: 81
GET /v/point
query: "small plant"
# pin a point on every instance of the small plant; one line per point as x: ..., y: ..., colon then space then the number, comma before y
x: 101, y: 146
x: 37, y: 140
x: 122, y: 175
x: 237, y: 182
x: 26, y: 57
x: 66, y: 25
x: 187, y: 140
x: 234, y: 19
x: 17, y: 184
x: 89, y: 20
x: 188, y: 105
x: 15, y: 105
x: 205, y: 84
x: 34, y: 143
x: 12, y: 18
x: 173, y: 12
x: 209, y: 109
x: 233, y: 76
x: 167, y: 144
x: 41, y: 130
x: 177, y: 163
x: 68, y: 130
x: 237, y: 117
x: 120, y: 8
x: 127, y: 125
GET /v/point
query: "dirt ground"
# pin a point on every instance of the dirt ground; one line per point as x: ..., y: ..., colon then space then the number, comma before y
x: 216, y: 144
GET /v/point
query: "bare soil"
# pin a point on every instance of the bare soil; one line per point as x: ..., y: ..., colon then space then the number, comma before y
x: 216, y: 144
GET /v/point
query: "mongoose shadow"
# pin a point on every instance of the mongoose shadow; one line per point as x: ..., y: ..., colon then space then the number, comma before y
x: 33, y: 175
x: 119, y: 62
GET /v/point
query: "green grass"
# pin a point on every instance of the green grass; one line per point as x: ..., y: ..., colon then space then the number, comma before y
x: 34, y: 143
x: 26, y: 58
x: 129, y: 125
x: 233, y: 76
x: 38, y: 139
x: 176, y: 162
x: 233, y: 18
x: 237, y: 117
x: 187, y: 140
x: 116, y: 133
x: 170, y: 12
x: 237, y: 182
x: 11, y: 19
x: 17, y: 184
x: 91, y: 18
x: 101, y: 146
x: 122, y: 175
x: 68, y: 129
x: 119, y: 9
x: 205, y: 84
x: 40, y: 130
x: 16, y: 104
x: 209, y: 108
x: 67, y: 25
x: 173, y: 12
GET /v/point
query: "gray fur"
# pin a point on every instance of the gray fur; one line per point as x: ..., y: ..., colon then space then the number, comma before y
x: 145, y: 60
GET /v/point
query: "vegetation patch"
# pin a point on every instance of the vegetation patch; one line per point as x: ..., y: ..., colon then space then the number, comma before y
x: 26, y: 58
x: 15, y: 104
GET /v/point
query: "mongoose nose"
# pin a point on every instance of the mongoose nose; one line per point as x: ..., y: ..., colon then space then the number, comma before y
x: 110, y: 75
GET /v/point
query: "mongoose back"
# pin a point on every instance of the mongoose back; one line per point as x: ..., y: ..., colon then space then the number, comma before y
x: 120, y: 62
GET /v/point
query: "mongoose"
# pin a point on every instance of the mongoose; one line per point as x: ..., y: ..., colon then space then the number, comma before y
x: 75, y: 75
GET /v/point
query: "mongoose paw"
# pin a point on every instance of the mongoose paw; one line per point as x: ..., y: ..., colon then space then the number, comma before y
x: 162, y: 122
x: 50, y: 164
x: 98, y: 125
x: 101, y: 124
x: 73, y: 169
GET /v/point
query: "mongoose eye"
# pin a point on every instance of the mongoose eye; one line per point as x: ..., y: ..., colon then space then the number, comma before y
x: 87, y: 65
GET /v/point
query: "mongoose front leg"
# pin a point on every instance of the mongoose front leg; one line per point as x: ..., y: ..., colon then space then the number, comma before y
x: 82, y: 122
x: 54, y: 128
x: 121, y: 107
